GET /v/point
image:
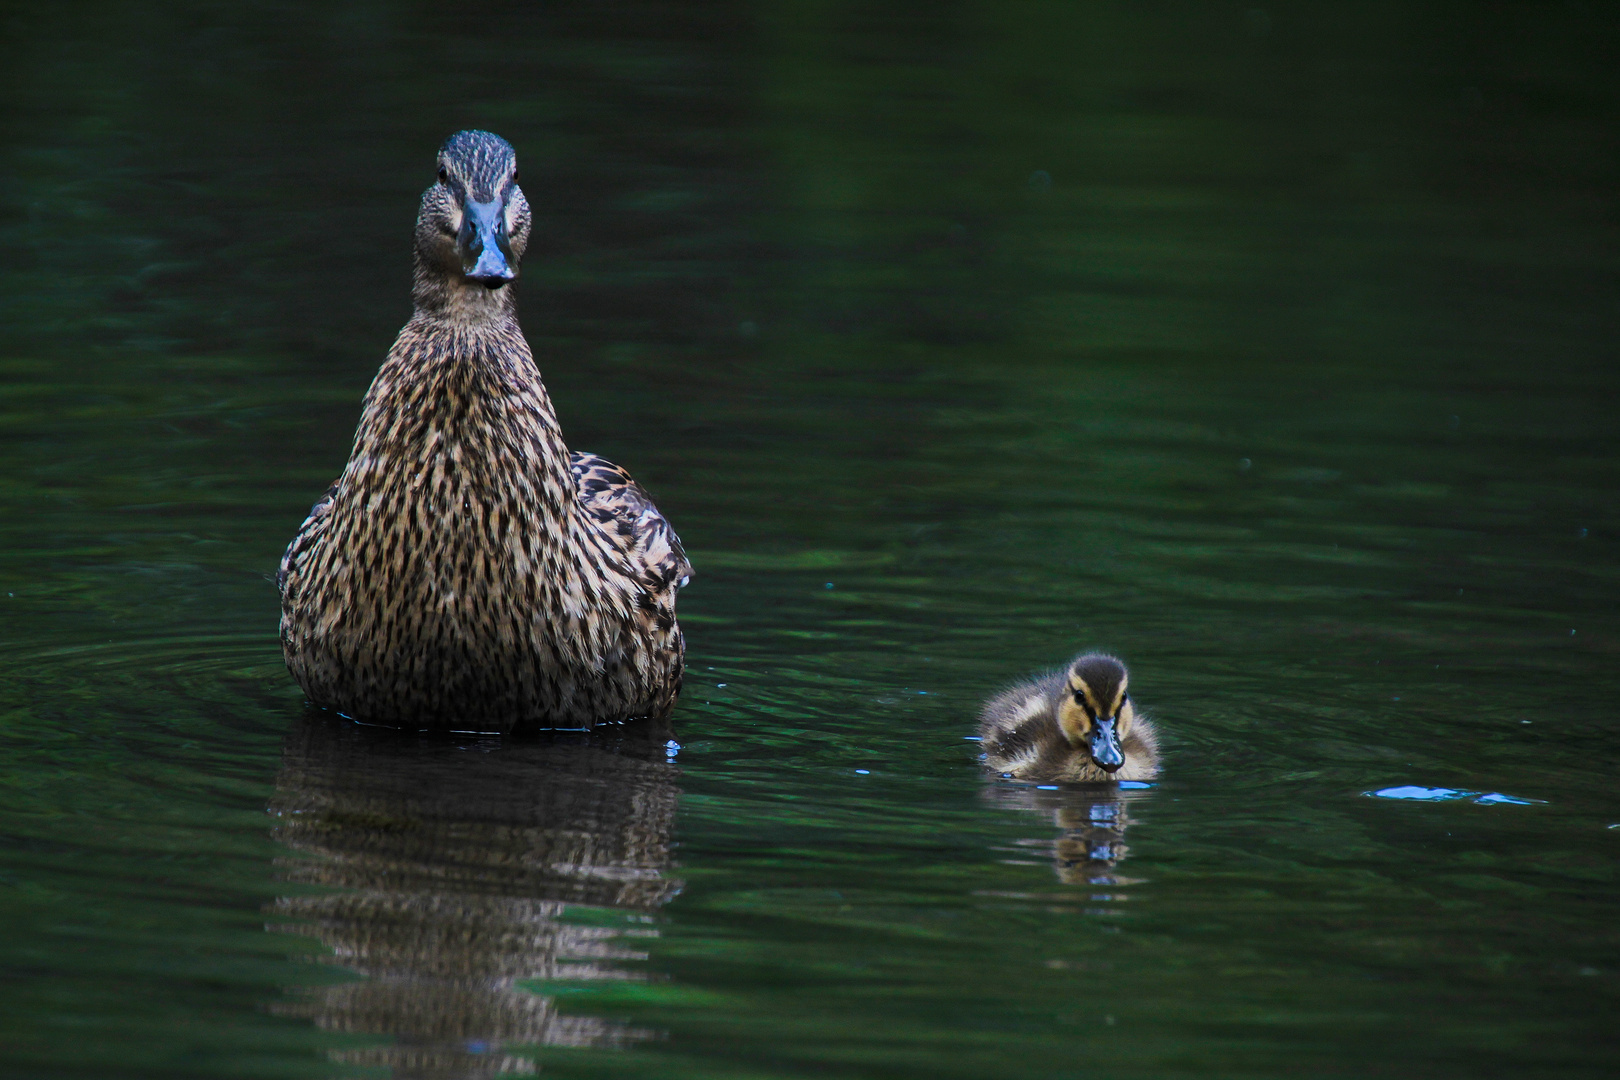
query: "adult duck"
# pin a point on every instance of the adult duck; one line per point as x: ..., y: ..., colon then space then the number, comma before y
x: 467, y: 571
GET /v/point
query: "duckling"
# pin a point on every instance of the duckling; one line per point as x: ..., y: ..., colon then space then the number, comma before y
x: 1077, y: 724
x: 467, y: 570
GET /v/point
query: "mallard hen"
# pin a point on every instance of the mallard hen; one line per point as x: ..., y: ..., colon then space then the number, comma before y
x: 467, y: 571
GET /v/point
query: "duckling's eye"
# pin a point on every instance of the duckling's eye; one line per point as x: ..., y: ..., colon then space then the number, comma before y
x: 444, y: 175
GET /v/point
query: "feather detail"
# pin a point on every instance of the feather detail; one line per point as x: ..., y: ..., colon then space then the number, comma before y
x: 467, y: 571
x: 626, y: 512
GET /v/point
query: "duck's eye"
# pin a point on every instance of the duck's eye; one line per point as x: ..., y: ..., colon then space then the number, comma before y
x: 444, y: 175
x: 514, y: 176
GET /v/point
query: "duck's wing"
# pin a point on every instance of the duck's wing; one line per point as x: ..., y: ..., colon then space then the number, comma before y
x: 1017, y: 726
x: 626, y: 513
x: 304, y: 539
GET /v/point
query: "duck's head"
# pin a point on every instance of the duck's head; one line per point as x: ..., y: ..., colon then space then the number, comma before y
x: 1096, y: 711
x: 474, y: 222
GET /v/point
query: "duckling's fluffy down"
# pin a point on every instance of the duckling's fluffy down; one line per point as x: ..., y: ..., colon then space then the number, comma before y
x: 1019, y: 731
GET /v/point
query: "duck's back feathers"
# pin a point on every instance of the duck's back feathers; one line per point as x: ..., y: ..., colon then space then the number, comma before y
x: 1018, y: 723
x: 626, y: 513
x: 308, y: 533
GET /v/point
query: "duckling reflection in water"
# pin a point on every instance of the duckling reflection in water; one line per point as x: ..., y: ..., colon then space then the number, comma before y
x: 1078, y: 725
x: 1092, y: 822
x: 449, y: 867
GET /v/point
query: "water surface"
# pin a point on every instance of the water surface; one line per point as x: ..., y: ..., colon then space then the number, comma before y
x: 1273, y: 350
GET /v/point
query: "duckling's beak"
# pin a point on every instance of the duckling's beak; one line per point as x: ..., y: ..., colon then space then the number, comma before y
x: 486, y: 256
x: 1105, y: 749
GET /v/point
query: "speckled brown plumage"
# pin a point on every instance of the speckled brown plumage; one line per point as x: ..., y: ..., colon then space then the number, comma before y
x: 466, y: 571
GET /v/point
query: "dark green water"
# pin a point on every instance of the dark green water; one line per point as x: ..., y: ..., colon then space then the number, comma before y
x: 1274, y: 350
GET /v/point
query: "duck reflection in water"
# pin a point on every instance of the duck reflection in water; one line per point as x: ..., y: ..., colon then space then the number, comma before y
x: 1091, y: 821
x: 457, y: 861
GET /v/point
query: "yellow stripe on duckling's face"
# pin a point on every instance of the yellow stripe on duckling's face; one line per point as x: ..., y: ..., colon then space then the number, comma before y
x: 1083, y: 703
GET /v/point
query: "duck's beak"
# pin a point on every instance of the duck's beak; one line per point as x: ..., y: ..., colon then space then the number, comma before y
x: 486, y: 256
x: 1105, y: 749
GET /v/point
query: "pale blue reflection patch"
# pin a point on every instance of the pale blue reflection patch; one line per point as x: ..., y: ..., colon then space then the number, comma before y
x: 1426, y: 794
x: 1441, y: 794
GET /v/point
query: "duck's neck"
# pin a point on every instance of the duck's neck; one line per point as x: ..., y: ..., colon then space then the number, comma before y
x: 456, y: 301
x: 460, y: 397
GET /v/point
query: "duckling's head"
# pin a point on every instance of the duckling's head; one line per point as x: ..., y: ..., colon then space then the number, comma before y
x: 474, y: 222
x: 1096, y: 711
